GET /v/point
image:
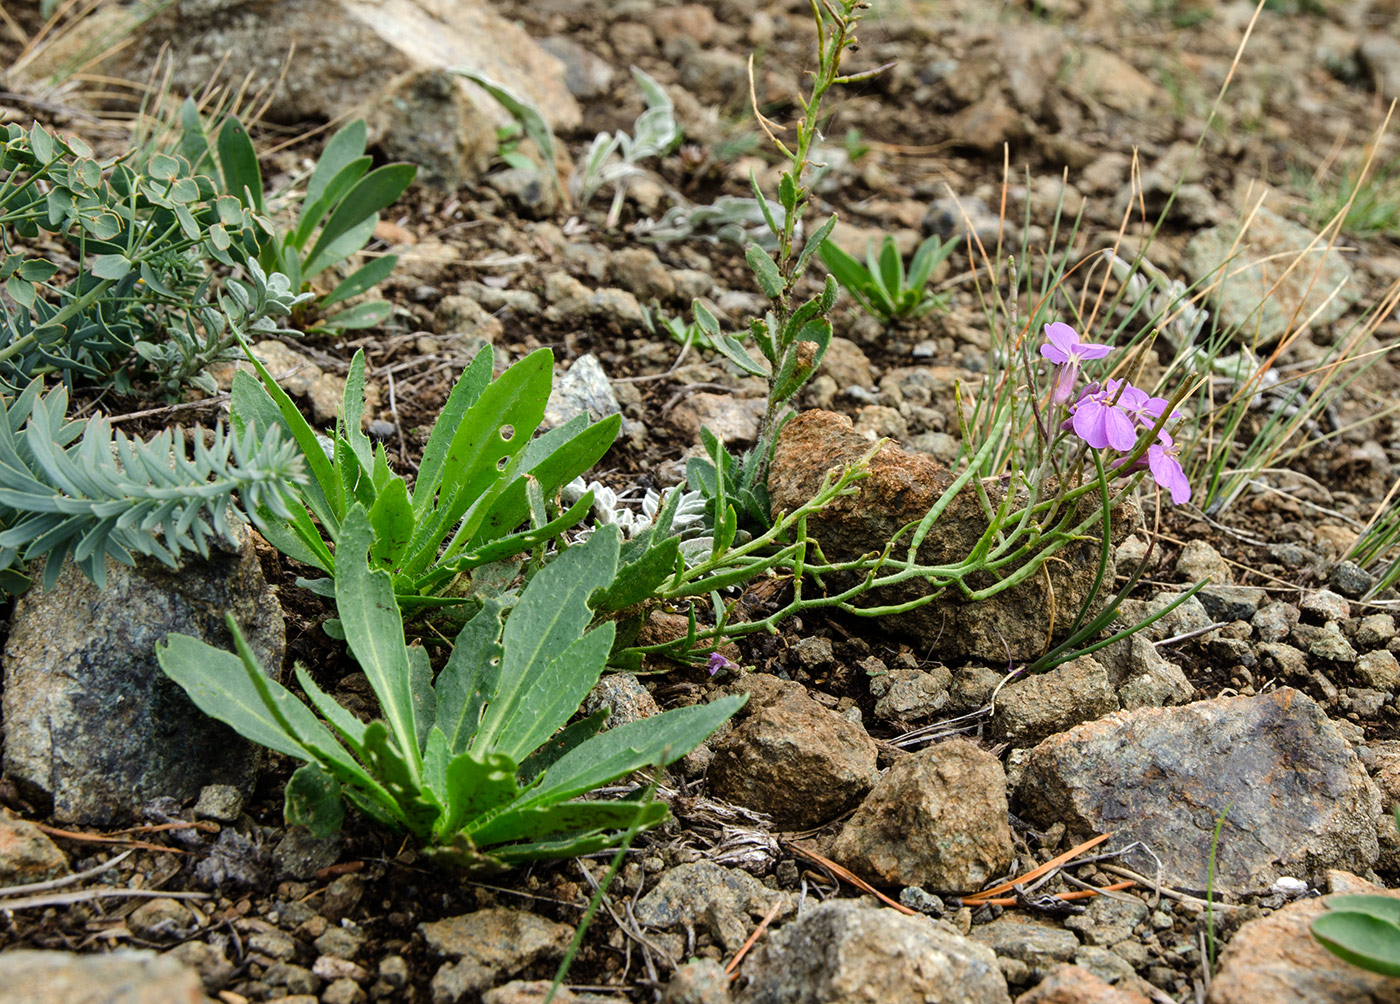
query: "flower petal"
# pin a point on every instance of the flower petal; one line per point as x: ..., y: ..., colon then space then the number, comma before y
x: 1120, y: 430
x: 1064, y: 384
x: 1061, y: 335
x: 1093, y: 350
x: 1054, y: 353
x: 1089, y: 424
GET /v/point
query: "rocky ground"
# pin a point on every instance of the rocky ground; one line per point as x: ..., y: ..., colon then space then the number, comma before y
x: 901, y: 752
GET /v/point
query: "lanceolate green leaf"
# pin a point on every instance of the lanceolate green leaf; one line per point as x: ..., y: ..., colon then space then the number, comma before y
x: 765, y: 271
x: 313, y: 800
x: 536, y: 821
x: 391, y: 516
x: 476, y: 785
x: 556, y: 692
x: 470, y: 676
x: 561, y: 465
x: 362, y: 280
x: 375, y: 191
x: 239, y: 161
x: 343, y: 149
x: 327, y: 489
x: 491, y: 432
x: 374, y: 631
x: 661, y: 739
x: 551, y: 615
x: 314, y: 211
x: 465, y: 393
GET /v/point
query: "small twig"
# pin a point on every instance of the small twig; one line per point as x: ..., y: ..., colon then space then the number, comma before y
x: 976, y: 898
x: 67, y: 880
x: 97, y: 838
x: 1163, y: 890
x: 1193, y: 634
x: 752, y: 938
x: 1088, y: 892
x: 87, y: 895
x: 170, y: 409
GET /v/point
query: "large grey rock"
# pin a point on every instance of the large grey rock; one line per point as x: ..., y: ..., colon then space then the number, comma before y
x: 582, y: 390
x: 1248, y: 266
x: 488, y: 945
x: 1299, y: 799
x: 1039, y: 946
x: 703, y: 894
x: 900, y: 490
x: 91, y: 722
x: 120, y: 977
x: 791, y: 757
x: 936, y: 819
x: 1275, y: 960
x: 848, y: 952
x: 385, y: 60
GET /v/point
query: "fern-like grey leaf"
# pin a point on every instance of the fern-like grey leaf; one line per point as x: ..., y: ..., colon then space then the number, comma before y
x: 112, y: 496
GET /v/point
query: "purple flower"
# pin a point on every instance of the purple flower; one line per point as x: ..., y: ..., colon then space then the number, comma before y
x: 1166, y: 469
x: 1138, y: 405
x: 717, y: 662
x: 1063, y: 348
x: 1101, y: 422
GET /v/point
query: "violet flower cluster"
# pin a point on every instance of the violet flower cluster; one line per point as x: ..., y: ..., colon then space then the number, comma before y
x: 1112, y: 415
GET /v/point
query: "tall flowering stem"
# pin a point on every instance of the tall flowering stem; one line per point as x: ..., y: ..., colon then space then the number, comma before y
x: 792, y: 337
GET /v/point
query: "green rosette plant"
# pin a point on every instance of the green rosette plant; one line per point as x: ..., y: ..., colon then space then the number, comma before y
x: 883, y: 286
x: 483, y: 490
x: 336, y: 218
x: 479, y: 763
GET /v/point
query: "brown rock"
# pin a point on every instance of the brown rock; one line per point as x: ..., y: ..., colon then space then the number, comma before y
x: 1038, y: 706
x: 300, y: 377
x: 488, y: 945
x: 1274, y: 960
x: 845, y: 363
x: 124, y: 976
x: 849, y: 952
x: 793, y: 759
x: 936, y: 819
x: 900, y: 490
x: 26, y: 853
x: 1066, y: 984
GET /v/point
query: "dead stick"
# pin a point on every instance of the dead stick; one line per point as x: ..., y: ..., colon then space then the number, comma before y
x: 1035, y: 873
x: 1066, y: 896
x: 850, y: 877
x: 757, y: 933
